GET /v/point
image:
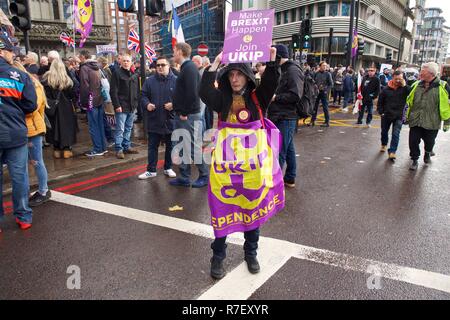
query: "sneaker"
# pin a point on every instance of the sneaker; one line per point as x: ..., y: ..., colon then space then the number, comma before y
x: 180, y: 182
x: 414, y: 165
x: 131, y: 151
x: 23, y: 225
x: 170, y: 173
x: 368, y: 125
x: 252, y: 264
x: 432, y: 154
x: 94, y: 154
x: 392, y: 156
x: 37, y: 199
x: 120, y: 155
x: 147, y: 174
x: 358, y: 124
x: 427, y: 157
x: 345, y: 110
x: 57, y: 154
x: 383, y: 148
x: 325, y: 125
x: 217, y: 270
x: 289, y: 183
x: 201, y: 182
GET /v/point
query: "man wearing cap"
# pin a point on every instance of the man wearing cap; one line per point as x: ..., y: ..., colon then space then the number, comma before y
x: 17, y: 98
x: 283, y: 110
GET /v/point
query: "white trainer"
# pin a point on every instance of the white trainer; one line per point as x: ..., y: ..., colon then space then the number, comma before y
x: 147, y: 175
x: 345, y: 110
x: 170, y: 173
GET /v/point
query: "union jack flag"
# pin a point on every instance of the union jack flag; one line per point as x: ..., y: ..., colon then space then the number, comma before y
x: 133, y: 41
x: 67, y: 40
x: 149, y: 52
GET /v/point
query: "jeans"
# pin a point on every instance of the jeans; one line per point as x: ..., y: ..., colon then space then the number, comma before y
x: 396, y: 129
x: 415, y: 135
x: 250, y: 245
x: 322, y: 97
x: 336, y: 95
x: 97, y: 129
x: 17, y: 161
x: 287, y: 151
x: 124, y: 124
x: 154, y: 139
x: 209, y: 118
x: 369, y: 107
x: 195, y: 145
x: 348, y: 96
x: 36, y: 159
x: 109, y: 132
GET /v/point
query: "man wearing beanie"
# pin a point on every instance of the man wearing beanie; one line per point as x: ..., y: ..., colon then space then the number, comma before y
x: 283, y: 110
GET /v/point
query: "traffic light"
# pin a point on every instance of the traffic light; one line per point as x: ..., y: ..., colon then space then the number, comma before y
x: 389, y: 56
x: 153, y: 7
x: 296, y: 41
x: 305, y: 33
x: 361, y: 45
x: 21, y: 14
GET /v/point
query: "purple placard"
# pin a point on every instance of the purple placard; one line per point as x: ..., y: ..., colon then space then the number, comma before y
x: 248, y: 36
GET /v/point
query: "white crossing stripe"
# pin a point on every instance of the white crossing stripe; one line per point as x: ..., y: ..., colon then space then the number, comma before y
x: 273, y: 254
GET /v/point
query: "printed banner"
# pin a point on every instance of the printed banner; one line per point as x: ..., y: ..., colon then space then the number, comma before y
x: 246, y: 183
x: 355, y: 43
x: 110, y: 48
x: 83, y: 18
x: 248, y: 36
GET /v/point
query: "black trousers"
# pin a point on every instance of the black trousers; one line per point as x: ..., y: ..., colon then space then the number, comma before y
x: 416, y: 134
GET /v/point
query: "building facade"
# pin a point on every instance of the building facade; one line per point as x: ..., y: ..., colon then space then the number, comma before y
x: 432, y: 38
x: 202, y: 22
x: 381, y: 24
x: 123, y: 22
x: 51, y: 17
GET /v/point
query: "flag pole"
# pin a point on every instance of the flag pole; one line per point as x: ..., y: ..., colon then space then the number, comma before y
x: 74, y: 29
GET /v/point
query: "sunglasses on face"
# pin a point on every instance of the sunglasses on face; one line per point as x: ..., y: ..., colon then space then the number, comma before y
x: 161, y: 65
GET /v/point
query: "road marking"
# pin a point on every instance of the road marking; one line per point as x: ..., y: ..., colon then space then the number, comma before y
x: 273, y: 253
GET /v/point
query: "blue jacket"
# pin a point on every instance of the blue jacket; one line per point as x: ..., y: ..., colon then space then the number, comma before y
x: 159, y: 90
x: 17, y: 98
x: 349, y: 84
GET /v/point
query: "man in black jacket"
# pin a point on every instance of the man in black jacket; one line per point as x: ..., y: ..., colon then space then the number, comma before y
x: 157, y: 100
x: 370, y: 89
x: 18, y: 98
x: 236, y: 84
x: 125, y: 98
x: 186, y: 103
x: 324, y: 84
x: 283, y: 110
x: 391, y: 104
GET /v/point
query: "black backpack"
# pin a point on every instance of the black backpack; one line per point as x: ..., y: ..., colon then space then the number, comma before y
x: 305, y: 107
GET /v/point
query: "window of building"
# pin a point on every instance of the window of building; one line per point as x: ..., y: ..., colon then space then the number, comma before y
x: 286, y: 17
x: 294, y: 15
x: 67, y: 7
x: 4, y: 5
x: 55, y: 6
x: 321, y: 9
x: 378, y: 50
x: 333, y: 8
x: 302, y: 13
x: 311, y: 11
x: 345, y: 9
x: 368, y: 46
x: 250, y: 3
x: 278, y: 18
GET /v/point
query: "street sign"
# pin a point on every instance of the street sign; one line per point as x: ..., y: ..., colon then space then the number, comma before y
x: 126, y: 5
x: 202, y: 49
